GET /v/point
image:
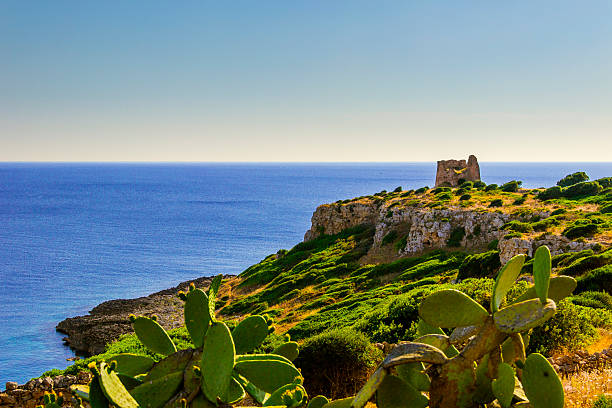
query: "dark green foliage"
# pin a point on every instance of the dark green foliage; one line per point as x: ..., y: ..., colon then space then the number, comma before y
x: 514, y: 234
x: 606, y: 209
x: 467, y: 185
x: 587, y: 263
x: 479, y: 265
x: 444, y: 196
x: 491, y: 187
x: 605, y: 182
x: 336, y: 363
x: 401, y: 244
x: 580, y: 228
x: 520, y: 200
x: 570, y: 329
x: 456, y: 236
x: 544, y: 224
x: 585, y: 188
x: 465, y: 197
x: 603, y: 401
x: 441, y: 190
x: 511, y: 186
x: 518, y: 226
x: 558, y: 211
x: 496, y: 203
x: 550, y: 193
x: 421, y: 190
x: 599, y: 279
x: 595, y: 300
x: 573, y: 178
x: 397, y: 189
x: 493, y: 244
x: 479, y: 185
x: 390, y: 237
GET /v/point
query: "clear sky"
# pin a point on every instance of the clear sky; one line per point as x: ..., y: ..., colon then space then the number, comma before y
x: 305, y: 80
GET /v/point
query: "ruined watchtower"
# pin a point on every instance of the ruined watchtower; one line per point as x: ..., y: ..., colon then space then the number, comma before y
x: 451, y: 171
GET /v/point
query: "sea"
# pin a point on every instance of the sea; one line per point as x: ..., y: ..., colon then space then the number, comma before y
x: 73, y: 235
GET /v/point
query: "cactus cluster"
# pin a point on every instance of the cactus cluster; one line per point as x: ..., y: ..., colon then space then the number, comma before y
x: 220, y: 370
x: 480, y: 360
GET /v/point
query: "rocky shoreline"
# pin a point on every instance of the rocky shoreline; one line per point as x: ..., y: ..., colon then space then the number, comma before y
x: 106, y: 322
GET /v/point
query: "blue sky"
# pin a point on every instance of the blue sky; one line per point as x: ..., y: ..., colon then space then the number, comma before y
x: 305, y: 81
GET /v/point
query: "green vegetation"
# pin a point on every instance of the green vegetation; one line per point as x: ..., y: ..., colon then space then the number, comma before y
x: 496, y: 203
x: 573, y: 178
x: 603, y: 401
x: 511, y: 186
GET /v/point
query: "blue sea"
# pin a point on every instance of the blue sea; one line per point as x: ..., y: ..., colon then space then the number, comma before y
x: 74, y: 235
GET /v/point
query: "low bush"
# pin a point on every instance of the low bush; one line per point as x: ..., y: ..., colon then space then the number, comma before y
x: 444, y: 196
x: 514, y: 234
x: 496, y: 203
x: 491, y: 187
x: 587, y: 263
x: 337, y: 363
x: 603, y: 401
x: 586, y: 188
x: 606, y: 209
x: 520, y: 200
x: 511, y: 186
x: 465, y: 197
x: 580, y: 228
x: 397, y: 189
x: 558, y: 211
x: 467, y: 185
x: 599, y: 279
x: 480, y: 185
x: 421, y: 190
x: 390, y: 237
x: 605, y: 182
x: 550, y: 193
x: 493, y: 244
x: 401, y: 244
x: 456, y: 236
x: 595, y: 300
x: 518, y: 226
x: 573, y: 178
x: 481, y: 265
x: 441, y: 190
x: 544, y: 224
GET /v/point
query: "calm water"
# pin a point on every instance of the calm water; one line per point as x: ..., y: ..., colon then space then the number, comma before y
x: 74, y: 235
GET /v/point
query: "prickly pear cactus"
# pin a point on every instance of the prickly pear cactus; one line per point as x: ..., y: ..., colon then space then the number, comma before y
x: 491, y: 367
x: 219, y: 371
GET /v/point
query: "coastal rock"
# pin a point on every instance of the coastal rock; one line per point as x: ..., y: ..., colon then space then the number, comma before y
x: 31, y: 393
x: 106, y: 322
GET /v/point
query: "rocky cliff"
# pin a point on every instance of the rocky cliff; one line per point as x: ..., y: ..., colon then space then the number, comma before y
x: 419, y: 228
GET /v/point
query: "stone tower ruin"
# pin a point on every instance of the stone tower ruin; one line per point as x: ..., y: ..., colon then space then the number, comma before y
x: 450, y: 172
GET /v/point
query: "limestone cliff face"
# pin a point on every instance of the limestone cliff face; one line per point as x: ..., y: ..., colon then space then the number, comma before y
x: 426, y: 228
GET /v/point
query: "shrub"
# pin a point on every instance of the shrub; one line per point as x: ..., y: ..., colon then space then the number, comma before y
x: 550, y: 193
x: 441, y: 190
x: 580, y: 228
x: 573, y: 178
x: 481, y: 265
x: 496, y: 203
x: 544, y: 224
x: 603, y: 401
x: 518, y: 226
x: 585, y: 188
x: 511, y: 235
x: 479, y: 184
x: 595, y: 300
x: 397, y: 189
x: 467, y: 185
x: 558, y: 211
x: 491, y: 187
x: 401, y: 244
x: 421, y: 190
x: 493, y: 244
x: 606, y: 209
x: 456, y: 236
x: 511, y: 186
x: 444, y: 196
x: 520, y: 200
x: 465, y: 197
x: 389, y: 237
x: 599, y: 279
x: 605, y: 182
x: 571, y: 328
x: 587, y: 263
x: 336, y: 363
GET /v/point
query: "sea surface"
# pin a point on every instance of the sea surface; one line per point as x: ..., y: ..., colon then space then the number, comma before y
x: 74, y: 235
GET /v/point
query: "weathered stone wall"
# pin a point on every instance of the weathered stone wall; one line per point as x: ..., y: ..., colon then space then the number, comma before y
x: 30, y: 394
x: 449, y: 172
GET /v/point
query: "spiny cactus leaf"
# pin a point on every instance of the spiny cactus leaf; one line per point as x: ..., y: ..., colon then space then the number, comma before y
x: 409, y: 352
x: 289, y: 350
x: 317, y: 402
x: 483, y: 393
x: 201, y: 402
x: 81, y: 390
x: 290, y: 395
x: 369, y: 388
x: 113, y: 389
x: 255, y: 357
x: 340, y: 403
x: 212, y: 291
x: 175, y: 362
x: 395, y: 393
x: 523, y: 316
x: 128, y: 381
x: 503, y: 385
x: 197, y: 315
x: 451, y: 308
x: 541, y: 383
x: 249, y: 334
x: 235, y: 392
x: 154, y: 394
x: 97, y: 399
x: 461, y: 334
x: 413, y: 374
x: 153, y: 336
x: 191, y: 382
x: 217, y: 362
x: 132, y: 364
x: 541, y: 272
x: 505, y: 279
x: 439, y: 341
x: 424, y: 328
x: 559, y: 288
x: 267, y: 375
x: 257, y: 394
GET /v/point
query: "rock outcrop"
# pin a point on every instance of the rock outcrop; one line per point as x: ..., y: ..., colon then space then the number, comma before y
x: 109, y: 320
x: 431, y: 228
x: 30, y: 394
x: 451, y: 172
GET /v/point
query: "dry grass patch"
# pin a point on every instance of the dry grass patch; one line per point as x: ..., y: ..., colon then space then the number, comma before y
x: 582, y: 390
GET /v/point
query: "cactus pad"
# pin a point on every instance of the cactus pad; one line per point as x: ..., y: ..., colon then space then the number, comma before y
x: 132, y: 364
x: 461, y: 334
x: 541, y: 272
x: 197, y: 315
x: 413, y: 375
x: 114, y: 390
x: 451, y: 308
x: 173, y: 363
x: 523, y: 316
x: 541, y: 383
x: 369, y: 389
x: 235, y: 392
x: 267, y: 375
x: 503, y: 385
x: 289, y: 350
x: 505, y: 279
x: 154, y: 394
x: 395, y: 393
x: 409, y: 352
x: 96, y: 396
x: 290, y: 396
x: 317, y: 402
x: 559, y: 288
x: 249, y: 334
x: 439, y: 341
x: 217, y: 362
x: 153, y: 336
x: 341, y: 403
x: 257, y: 357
